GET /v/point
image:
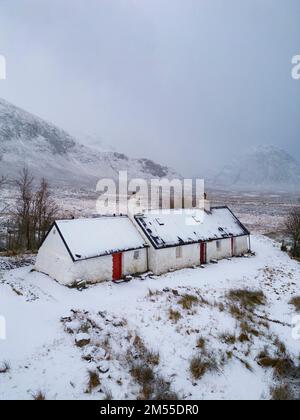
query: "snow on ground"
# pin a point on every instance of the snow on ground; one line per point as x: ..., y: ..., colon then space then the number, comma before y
x: 41, y: 349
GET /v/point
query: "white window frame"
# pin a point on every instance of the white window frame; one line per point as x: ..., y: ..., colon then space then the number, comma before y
x: 136, y: 255
x: 219, y: 245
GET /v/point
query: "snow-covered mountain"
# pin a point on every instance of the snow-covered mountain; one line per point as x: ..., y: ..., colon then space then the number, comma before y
x: 264, y: 167
x: 26, y: 140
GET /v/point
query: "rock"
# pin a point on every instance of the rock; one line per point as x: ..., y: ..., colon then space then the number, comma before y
x: 72, y: 327
x: 89, y: 353
x: 82, y: 340
x: 103, y: 367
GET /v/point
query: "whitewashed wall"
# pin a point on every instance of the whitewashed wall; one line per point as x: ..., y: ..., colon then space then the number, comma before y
x: 164, y: 260
x: 241, y: 245
x: 53, y: 259
x: 100, y: 269
x: 213, y: 253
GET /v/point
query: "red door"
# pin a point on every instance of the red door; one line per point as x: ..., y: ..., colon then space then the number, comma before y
x: 117, y: 266
x: 203, y: 253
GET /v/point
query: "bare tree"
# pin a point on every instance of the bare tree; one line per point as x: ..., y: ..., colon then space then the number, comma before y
x: 293, y: 228
x: 23, y: 209
x: 45, y: 210
x: 2, y: 183
x: 35, y: 212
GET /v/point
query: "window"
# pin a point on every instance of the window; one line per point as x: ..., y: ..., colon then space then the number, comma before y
x: 179, y: 252
x: 219, y: 245
x: 136, y: 255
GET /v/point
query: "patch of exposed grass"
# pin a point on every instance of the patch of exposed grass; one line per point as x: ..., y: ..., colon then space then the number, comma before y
x: 228, y: 338
x: 174, y: 315
x: 296, y: 303
x: 244, y: 338
x: 248, y: 330
x: 201, y: 343
x: 236, y: 312
x: 282, y: 393
x: 247, y: 298
x: 162, y: 390
x: 143, y: 375
x: 93, y: 380
x: 283, y: 367
x: 199, y: 366
x: 148, y: 356
x: 188, y: 301
x: 281, y: 347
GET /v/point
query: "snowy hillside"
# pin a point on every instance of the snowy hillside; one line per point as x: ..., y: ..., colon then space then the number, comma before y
x: 263, y: 167
x: 194, y: 334
x: 26, y: 140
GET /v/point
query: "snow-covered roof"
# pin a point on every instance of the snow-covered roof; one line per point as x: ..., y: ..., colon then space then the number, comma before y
x: 173, y: 228
x: 90, y: 238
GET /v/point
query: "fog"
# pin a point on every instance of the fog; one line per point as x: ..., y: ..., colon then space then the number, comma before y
x: 188, y: 83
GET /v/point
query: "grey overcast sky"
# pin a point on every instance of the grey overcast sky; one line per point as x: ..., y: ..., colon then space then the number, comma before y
x: 186, y: 82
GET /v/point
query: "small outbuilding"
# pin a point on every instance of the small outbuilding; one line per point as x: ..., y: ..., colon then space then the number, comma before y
x: 92, y: 250
x: 182, y: 239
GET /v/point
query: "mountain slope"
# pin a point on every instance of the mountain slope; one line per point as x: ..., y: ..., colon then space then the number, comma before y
x: 262, y: 167
x: 26, y: 140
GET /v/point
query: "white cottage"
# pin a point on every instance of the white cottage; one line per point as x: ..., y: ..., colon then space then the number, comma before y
x: 92, y: 250
x: 180, y: 239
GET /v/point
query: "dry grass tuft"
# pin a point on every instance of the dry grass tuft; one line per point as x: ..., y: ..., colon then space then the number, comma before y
x: 143, y: 375
x: 188, y: 301
x: 228, y: 338
x: 5, y: 366
x: 93, y: 380
x: 282, y: 393
x: 199, y: 366
x: 174, y: 315
x: 247, y: 298
x: 201, y: 344
x: 39, y: 396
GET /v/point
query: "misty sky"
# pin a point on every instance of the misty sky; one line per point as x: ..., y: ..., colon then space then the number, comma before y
x: 186, y: 82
